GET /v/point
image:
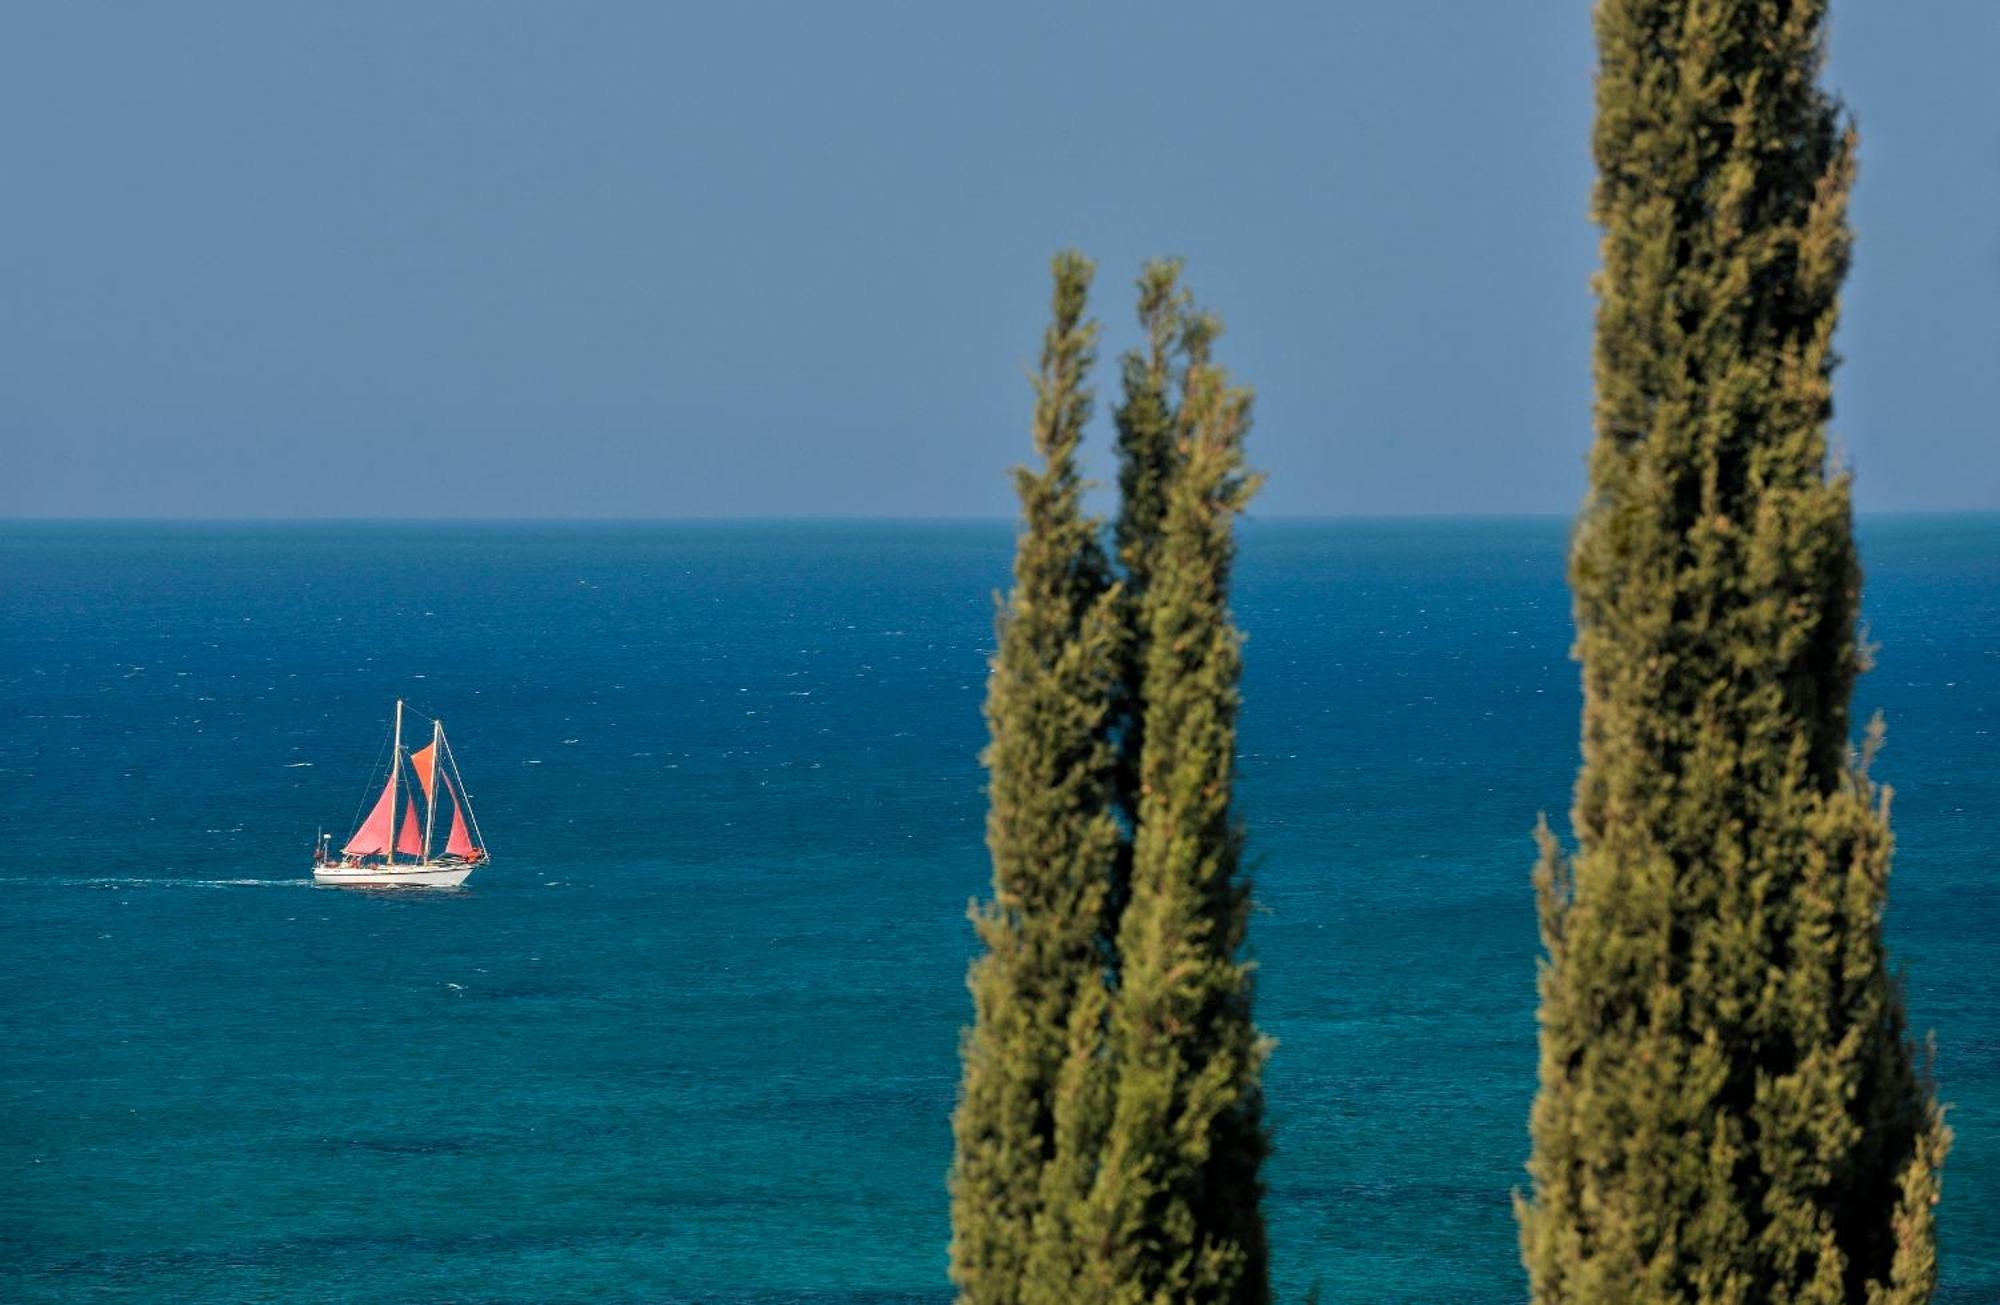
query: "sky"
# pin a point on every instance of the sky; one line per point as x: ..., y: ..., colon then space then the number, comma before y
x: 644, y: 260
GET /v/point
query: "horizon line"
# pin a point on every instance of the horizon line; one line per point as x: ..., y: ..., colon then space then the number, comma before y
x: 769, y: 518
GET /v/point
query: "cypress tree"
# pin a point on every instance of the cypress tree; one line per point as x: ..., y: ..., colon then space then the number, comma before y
x: 1051, y: 829
x: 1173, y: 1210
x: 1730, y: 1109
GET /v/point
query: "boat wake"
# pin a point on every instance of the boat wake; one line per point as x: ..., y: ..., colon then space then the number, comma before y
x: 148, y: 881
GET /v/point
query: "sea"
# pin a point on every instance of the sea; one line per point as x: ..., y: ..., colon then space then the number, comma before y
x: 692, y: 1036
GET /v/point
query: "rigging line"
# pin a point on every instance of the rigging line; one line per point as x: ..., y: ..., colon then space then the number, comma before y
x: 368, y: 785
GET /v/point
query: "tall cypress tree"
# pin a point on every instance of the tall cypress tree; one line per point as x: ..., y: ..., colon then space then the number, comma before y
x: 1051, y: 828
x: 1730, y: 1109
x: 1173, y: 1213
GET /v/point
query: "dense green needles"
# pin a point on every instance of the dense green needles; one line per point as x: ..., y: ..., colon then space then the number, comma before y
x: 1729, y: 1108
x: 1109, y: 1129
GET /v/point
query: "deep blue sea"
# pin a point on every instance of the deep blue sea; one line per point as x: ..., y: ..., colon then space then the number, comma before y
x: 692, y: 1036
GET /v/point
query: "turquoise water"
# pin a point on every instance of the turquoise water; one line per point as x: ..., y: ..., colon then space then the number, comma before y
x: 692, y: 1036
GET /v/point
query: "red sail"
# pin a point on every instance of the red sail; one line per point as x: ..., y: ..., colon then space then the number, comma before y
x: 460, y: 843
x: 411, y: 841
x: 372, y: 839
x: 423, y: 761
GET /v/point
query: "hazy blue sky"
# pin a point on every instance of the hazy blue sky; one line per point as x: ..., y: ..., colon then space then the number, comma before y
x: 710, y: 259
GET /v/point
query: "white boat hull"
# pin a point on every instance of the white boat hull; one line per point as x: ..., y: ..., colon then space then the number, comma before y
x: 392, y: 876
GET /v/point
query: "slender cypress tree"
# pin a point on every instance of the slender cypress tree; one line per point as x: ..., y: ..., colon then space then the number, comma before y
x: 1173, y: 1212
x: 1730, y: 1110
x: 1051, y: 828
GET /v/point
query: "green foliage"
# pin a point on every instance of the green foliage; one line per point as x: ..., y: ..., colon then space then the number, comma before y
x: 1051, y: 828
x: 1146, y: 420
x: 1730, y: 1110
x: 1109, y: 1129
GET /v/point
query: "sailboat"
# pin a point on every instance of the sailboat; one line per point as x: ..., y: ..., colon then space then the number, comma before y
x: 369, y: 859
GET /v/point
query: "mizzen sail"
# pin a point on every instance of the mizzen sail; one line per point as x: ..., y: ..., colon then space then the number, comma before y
x: 460, y: 843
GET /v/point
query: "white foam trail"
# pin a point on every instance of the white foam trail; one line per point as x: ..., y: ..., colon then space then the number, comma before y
x: 138, y: 881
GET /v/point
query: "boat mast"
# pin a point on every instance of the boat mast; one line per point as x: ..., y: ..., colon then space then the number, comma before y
x: 431, y: 812
x: 395, y: 773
